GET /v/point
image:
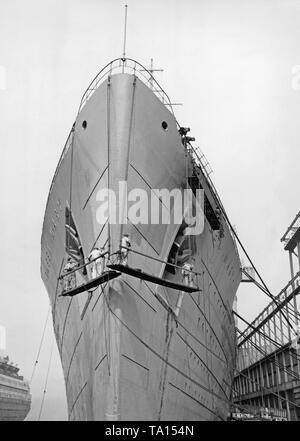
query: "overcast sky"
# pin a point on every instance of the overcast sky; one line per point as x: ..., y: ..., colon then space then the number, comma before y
x: 229, y: 62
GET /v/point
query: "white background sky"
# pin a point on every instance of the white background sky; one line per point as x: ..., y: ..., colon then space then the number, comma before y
x: 229, y: 62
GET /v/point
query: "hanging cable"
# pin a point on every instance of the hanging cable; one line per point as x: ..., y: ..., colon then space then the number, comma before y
x: 256, y: 329
x: 261, y: 333
x: 267, y: 389
x: 267, y: 292
x: 219, y: 203
x: 279, y: 346
x: 217, y: 198
x: 292, y: 311
x: 47, y: 376
x: 276, y: 363
x: 40, y: 346
x: 151, y: 349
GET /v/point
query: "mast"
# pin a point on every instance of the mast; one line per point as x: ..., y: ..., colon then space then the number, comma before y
x: 125, y: 34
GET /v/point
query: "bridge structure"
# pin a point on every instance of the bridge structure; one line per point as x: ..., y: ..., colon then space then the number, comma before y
x: 268, y: 364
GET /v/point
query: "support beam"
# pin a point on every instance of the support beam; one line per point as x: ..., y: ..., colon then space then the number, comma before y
x: 288, y: 297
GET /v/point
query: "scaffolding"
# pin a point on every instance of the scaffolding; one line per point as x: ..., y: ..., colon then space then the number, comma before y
x: 268, y: 364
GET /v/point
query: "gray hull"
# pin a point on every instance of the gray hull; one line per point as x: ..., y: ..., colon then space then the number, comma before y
x: 125, y: 355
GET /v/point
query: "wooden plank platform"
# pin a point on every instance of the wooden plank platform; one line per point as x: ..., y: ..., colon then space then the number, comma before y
x: 104, y: 277
x: 135, y: 272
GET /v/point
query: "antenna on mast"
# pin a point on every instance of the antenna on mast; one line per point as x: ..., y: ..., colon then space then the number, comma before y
x: 125, y: 32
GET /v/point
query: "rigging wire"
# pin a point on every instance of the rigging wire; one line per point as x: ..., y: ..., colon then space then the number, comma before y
x: 255, y: 328
x: 279, y: 346
x: 266, y: 388
x: 40, y: 346
x: 270, y: 391
x: 174, y: 367
x: 277, y: 363
x: 47, y: 376
x: 267, y: 291
x: 259, y: 325
x: 290, y: 309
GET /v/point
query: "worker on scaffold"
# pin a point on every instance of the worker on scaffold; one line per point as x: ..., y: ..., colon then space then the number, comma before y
x: 125, y: 243
x: 97, y: 262
x: 69, y: 279
x: 187, y: 276
x: 187, y: 273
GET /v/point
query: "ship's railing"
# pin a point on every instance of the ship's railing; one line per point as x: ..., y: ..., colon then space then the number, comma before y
x: 272, y: 329
x: 129, y: 65
x: 200, y: 160
x: 119, y: 65
x: 126, y: 65
x: 74, y: 274
x: 244, y: 411
x: 13, y: 381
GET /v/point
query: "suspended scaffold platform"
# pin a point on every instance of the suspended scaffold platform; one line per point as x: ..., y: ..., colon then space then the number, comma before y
x: 138, y: 273
x: 106, y: 276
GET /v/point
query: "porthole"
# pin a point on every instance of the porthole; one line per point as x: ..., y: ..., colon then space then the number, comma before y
x: 164, y: 125
x: 84, y: 124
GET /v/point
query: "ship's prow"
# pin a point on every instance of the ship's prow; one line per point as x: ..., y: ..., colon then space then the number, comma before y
x: 135, y: 348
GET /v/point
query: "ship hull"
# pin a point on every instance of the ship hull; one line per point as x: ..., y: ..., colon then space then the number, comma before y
x: 131, y: 350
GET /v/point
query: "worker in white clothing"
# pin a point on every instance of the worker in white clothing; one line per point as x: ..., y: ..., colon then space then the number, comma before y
x: 187, y: 274
x: 69, y: 279
x: 97, y: 262
x: 125, y: 243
